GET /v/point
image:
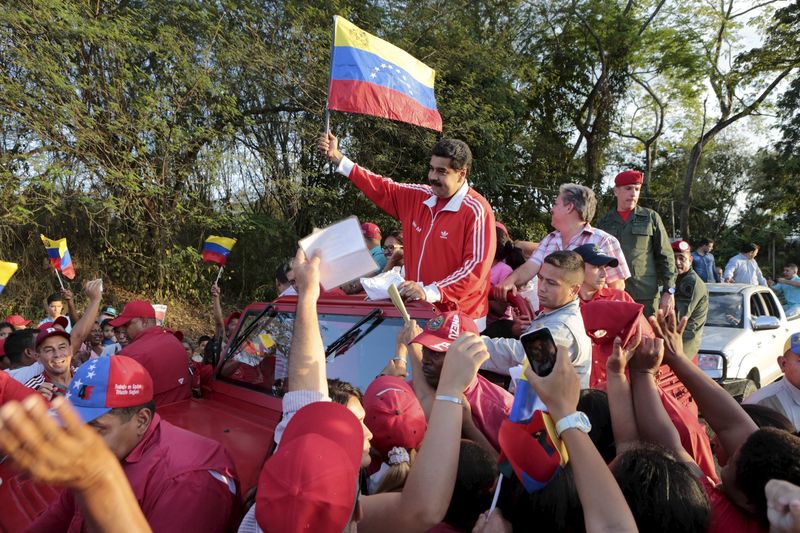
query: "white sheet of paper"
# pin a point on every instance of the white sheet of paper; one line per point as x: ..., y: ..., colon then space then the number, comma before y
x: 343, y: 254
x: 377, y: 287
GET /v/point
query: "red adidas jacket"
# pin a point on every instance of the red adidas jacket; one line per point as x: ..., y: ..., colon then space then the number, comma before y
x: 452, y: 250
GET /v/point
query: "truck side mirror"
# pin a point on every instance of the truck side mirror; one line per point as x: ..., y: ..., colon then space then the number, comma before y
x: 766, y: 322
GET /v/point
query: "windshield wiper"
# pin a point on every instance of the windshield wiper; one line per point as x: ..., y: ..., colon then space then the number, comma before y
x: 350, y: 337
x: 245, y: 334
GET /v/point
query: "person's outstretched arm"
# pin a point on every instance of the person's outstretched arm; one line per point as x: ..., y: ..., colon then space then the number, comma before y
x: 724, y: 414
x: 604, y: 506
x: 620, y: 399
x: 74, y: 456
x: 216, y: 309
x: 307, y: 353
x: 426, y: 496
x: 651, y: 417
x: 82, y: 328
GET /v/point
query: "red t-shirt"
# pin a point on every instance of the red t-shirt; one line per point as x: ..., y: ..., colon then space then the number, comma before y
x: 163, y: 355
x: 169, y: 475
x: 725, y: 516
x: 490, y: 405
x: 625, y: 215
x: 11, y: 389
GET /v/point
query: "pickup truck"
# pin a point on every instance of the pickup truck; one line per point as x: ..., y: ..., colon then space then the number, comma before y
x: 241, y: 407
x: 744, y: 335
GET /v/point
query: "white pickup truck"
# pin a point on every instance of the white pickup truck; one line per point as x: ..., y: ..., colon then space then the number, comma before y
x: 744, y: 335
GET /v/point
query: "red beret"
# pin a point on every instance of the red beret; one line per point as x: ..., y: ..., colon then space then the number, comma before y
x: 628, y: 177
x: 681, y: 246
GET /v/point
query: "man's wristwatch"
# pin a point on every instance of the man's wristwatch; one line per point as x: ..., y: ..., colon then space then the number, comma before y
x: 670, y: 290
x: 577, y: 420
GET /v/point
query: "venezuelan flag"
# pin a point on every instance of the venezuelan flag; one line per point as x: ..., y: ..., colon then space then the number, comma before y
x: 216, y: 249
x: 59, y: 256
x: 6, y: 271
x: 373, y: 77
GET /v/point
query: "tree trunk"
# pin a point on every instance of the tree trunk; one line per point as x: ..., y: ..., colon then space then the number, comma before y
x: 688, y: 180
x: 648, y: 167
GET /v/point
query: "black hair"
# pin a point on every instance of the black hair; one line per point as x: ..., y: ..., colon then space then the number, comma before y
x: 55, y: 297
x: 203, y: 338
x: 126, y: 413
x: 704, y: 241
x: 341, y: 391
x: 556, y: 507
x: 280, y: 272
x: 516, y: 258
x: 768, y: 453
x: 395, y: 233
x: 7, y: 325
x: 500, y: 329
x: 17, y: 342
x: 106, y: 322
x: 594, y: 403
x: 568, y: 261
x: 457, y: 151
x: 472, y: 493
x: 663, y: 493
x: 749, y: 247
x: 504, y: 245
x: 763, y: 416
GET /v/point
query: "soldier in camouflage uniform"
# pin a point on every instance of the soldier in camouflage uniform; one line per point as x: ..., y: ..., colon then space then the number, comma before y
x: 644, y: 242
x: 691, y: 298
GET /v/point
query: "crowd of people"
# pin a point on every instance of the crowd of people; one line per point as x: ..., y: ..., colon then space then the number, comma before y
x: 556, y: 388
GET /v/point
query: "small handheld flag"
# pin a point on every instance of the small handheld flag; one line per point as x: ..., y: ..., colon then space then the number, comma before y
x: 59, y: 256
x: 216, y: 249
x: 373, y: 77
x: 6, y: 271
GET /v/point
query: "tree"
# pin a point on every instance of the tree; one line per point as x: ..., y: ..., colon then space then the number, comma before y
x: 744, y: 87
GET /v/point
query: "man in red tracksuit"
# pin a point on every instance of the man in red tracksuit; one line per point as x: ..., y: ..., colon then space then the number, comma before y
x: 449, y: 238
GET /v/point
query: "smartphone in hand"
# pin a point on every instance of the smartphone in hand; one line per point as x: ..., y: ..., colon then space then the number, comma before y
x: 540, y: 349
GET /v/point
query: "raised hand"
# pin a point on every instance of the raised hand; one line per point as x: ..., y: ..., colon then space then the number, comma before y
x: 329, y: 147
x: 668, y: 328
x: 73, y: 455
x: 94, y: 289
x: 648, y: 356
x: 306, y: 273
x: 620, y: 355
x: 461, y: 364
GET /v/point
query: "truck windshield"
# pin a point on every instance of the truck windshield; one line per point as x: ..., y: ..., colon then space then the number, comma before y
x: 724, y: 310
x: 356, y: 355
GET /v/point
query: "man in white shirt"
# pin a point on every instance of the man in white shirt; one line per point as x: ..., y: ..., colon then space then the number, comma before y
x: 742, y: 268
x: 784, y: 395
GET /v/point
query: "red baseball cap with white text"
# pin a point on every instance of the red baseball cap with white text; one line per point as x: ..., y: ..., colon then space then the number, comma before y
x: 442, y: 330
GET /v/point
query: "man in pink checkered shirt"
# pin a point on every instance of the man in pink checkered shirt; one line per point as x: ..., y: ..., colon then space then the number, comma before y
x: 570, y: 216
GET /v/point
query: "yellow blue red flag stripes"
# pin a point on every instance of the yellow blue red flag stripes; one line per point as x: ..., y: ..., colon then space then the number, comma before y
x: 6, y: 271
x: 373, y: 77
x: 59, y: 256
x: 216, y: 249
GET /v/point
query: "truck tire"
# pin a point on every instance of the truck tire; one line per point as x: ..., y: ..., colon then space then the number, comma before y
x: 749, y: 388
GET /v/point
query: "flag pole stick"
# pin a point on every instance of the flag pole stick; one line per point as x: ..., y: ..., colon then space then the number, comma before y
x: 327, y: 124
x: 60, y: 282
x: 219, y: 275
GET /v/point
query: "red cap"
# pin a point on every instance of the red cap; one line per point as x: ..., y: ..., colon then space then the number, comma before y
x: 393, y: 415
x: 503, y: 227
x: 134, y: 309
x: 309, y: 484
x: 60, y: 321
x: 18, y: 321
x: 679, y: 246
x: 47, y: 332
x: 107, y: 383
x: 370, y: 230
x: 628, y: 177
x: 532, y: 451
x: 177, y: 333
x: 604, y: 320
x: 442, y: 330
